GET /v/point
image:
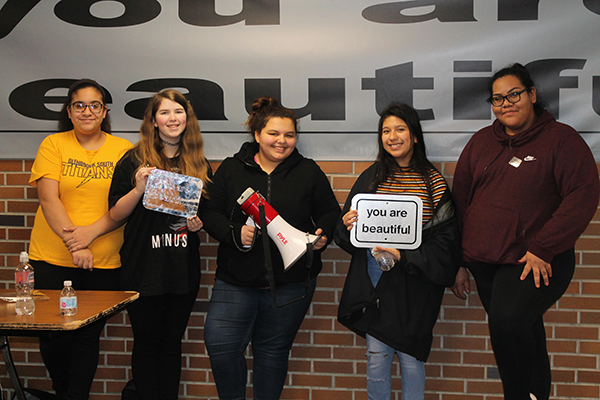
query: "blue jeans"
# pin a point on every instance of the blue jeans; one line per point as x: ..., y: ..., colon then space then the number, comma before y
x: 373, y: 269
x: 379, y: 376
x: 240, y: 315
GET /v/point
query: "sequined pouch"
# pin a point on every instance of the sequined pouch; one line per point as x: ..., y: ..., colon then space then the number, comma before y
x: 172, y: 193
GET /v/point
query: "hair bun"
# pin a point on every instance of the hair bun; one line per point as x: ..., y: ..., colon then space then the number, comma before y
x: 263, y: 109
x: 264, y: 102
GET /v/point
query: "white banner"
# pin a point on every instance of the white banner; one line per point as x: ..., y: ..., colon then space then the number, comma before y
x: 335, y: 62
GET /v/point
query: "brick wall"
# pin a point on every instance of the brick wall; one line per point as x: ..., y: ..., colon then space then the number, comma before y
x: 328, y: 361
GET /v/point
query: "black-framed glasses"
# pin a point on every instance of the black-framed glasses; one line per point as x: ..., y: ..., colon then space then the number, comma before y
x: 95, y: 106
x: 512, y: 98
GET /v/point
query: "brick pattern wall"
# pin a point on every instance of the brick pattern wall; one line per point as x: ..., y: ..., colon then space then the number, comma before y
x: 328, y: 361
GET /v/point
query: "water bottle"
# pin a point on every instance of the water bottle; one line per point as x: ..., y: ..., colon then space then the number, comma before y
x: 384, y: 259
x: 68, y: 300
x: 24, y: 284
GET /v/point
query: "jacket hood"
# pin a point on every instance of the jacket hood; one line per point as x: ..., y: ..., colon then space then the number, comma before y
x: 249, y: 149
x: 525, y: 136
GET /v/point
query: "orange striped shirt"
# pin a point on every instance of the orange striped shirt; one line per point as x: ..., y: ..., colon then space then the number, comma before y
x: 409, y: 182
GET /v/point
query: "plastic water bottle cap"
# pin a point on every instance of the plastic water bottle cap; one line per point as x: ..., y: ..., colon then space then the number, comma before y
x: 68, y: 283
x: 24, y: 257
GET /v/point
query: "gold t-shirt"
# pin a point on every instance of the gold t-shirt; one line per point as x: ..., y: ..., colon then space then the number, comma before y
x: 84, y: 180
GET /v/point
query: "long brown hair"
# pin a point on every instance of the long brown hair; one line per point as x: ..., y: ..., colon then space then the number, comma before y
x: 149, y: 150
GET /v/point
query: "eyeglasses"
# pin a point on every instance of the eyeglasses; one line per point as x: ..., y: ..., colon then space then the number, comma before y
x: 512, y: 98
x: 95, y: 106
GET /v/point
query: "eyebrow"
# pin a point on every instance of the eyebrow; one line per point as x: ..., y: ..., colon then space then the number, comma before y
x: 395, y: 126
x: 81, y: 101
x: 169, y: 109
x: 276, y: 131
x: 510, y: 90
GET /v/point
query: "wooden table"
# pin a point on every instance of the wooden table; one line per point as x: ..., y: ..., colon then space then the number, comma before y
x: 92, y: 305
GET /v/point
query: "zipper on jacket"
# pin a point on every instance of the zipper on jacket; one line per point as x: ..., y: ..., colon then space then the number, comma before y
x: 377, y: 303
x: 268, y: 196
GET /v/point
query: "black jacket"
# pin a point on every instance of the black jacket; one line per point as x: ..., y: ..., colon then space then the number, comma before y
x: 297, y: 189
x: 402, y: 310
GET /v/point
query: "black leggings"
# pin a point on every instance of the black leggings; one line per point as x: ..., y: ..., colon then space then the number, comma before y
x: 515, y: 309
x: 158, y: 323
x: 71, y: 357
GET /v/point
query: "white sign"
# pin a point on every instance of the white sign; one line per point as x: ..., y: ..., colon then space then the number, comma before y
x: 387, y: 220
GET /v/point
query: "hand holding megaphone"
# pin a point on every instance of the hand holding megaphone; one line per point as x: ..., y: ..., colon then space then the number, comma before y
x: 291, y: 242
x: 248, y: 233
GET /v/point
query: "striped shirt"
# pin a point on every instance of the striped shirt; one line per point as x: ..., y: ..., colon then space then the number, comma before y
x: 409, y: 182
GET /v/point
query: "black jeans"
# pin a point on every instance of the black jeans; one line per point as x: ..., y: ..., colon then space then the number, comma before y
x: 515, y: 309
x: 158, y: 323
x: 71, y: 357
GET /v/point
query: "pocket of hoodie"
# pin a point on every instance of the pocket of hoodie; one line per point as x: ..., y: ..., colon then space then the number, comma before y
x: 490, y: 232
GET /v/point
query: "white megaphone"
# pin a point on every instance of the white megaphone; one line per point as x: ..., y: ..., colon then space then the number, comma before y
x: 291, y: 242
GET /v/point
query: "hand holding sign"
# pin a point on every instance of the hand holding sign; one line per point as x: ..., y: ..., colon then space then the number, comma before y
x: 393, y: 221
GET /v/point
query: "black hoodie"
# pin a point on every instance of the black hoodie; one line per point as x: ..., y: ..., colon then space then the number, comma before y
x: 297, y: 189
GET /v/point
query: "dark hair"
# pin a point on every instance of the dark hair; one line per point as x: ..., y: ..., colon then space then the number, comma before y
x: 265, y: 108
x: 521, y: 73
x: 64, y: 122
x: 386, y: 163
